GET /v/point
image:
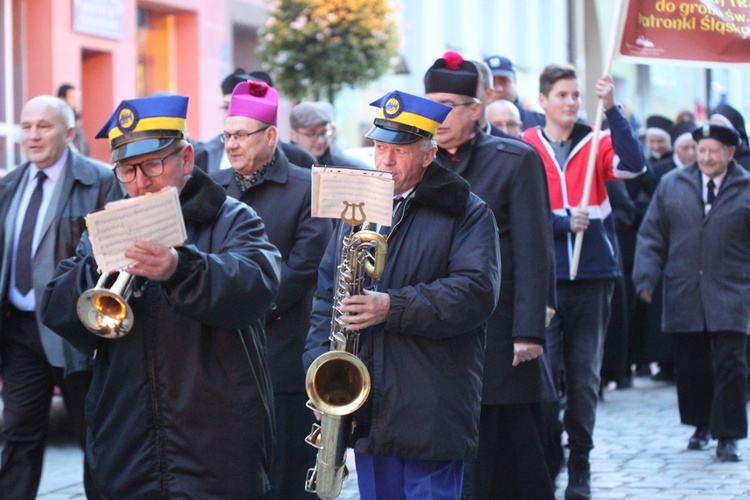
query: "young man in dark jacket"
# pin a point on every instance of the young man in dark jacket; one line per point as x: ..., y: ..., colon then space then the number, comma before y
x: 425, y: 344
x: 182, y: 405
x: 575, y: 337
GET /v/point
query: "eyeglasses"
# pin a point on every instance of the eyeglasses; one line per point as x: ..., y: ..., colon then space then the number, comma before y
x: 457, y: 104
x: 239, y: 136
x: 149, y: 168
x: 326, y: 134
x: 506, y: 124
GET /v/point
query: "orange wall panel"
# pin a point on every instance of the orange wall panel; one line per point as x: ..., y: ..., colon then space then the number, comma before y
x: 106, y: 70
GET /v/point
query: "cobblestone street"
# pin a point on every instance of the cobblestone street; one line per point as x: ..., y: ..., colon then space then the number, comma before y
x: 640, y: 454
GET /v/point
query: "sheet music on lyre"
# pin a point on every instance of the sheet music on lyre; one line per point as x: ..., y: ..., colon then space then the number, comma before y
x: 336, y: 188
x: 155, y: 217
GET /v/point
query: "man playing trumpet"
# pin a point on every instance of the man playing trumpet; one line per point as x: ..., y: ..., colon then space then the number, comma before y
x: 181, y: 406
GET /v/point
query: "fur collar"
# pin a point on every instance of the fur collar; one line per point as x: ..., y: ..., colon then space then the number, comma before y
x: 442, y: 190
x: 201, y: 198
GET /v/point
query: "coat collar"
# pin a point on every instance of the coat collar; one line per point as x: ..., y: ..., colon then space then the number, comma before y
x: 735, y: 175
x: 736, y: 180
x: 84, y: 176
x: 442, y: 190
x: 201, y: 198
x: 278, y: 174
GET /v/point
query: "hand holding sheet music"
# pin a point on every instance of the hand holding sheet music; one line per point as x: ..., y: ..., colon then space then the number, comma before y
x: 154, y: 217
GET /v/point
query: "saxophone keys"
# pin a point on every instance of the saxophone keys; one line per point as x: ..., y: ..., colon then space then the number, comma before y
x: 314, y: 438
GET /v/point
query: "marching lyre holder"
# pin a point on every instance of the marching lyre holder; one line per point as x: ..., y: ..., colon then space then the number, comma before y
x: 353, y: 220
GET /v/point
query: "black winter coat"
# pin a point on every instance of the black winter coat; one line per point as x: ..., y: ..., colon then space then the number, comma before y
x: 509, y: 176
x: 443, y: 277
x: 282, y: 200
x: 182, y: 406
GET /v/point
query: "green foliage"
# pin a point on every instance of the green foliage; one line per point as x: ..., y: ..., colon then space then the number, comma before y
x: 314, y: 47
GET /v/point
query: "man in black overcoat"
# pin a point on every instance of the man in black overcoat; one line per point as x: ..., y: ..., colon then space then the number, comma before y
x: 262, y: 176
x: 508, y: 175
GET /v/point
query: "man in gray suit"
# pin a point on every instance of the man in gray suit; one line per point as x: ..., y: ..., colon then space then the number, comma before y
x: 43, y: 202
x: 696, y: 232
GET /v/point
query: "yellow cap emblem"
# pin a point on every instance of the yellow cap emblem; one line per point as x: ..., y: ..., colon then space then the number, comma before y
x: 393, y: 106
x: 127, y: 119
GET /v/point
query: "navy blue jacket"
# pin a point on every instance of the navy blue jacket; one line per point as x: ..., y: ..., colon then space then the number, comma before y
x: 181, y: 406
x: 443, y: 279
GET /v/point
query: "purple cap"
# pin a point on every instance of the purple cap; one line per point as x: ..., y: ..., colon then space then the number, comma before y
x: 256, y: 100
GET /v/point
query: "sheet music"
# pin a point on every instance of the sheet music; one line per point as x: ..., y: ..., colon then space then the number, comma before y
x: 155, y: 217
x: 368, y: 191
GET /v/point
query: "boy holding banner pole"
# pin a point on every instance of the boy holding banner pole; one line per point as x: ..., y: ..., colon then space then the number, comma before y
x: 575, y: 337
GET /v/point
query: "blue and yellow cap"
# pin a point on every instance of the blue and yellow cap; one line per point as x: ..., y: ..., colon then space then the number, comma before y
x: 406, y: 118
x: 144, y: 125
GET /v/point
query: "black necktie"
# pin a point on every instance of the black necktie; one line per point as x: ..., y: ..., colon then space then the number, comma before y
x: 397, y: 201
x: 710, y: 195
x: 25, y: 239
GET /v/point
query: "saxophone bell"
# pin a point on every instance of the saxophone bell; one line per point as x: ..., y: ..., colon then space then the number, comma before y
x: 337, y: 383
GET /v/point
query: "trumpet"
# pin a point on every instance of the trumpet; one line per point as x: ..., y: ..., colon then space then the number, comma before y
x: 105, y: 311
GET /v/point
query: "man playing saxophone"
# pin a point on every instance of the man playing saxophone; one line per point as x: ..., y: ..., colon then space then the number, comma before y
x: 423, y: 330
x: 181, y: 406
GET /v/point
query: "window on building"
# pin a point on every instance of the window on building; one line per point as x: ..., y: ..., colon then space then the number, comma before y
x: 11, y: 95
x: 156, y: 71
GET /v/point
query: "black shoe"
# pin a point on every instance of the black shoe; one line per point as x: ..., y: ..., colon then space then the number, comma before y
x: 727, y: 450
x: 699, y: 439
x: 643, y: 370
x: 625, y: 382
x: 579, y: 478
x: 664, y: 375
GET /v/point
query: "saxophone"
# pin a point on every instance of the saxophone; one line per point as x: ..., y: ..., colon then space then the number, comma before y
x: 338, y: 382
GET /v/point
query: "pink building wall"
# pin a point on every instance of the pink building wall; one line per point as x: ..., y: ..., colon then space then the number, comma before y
x: 105, y: 70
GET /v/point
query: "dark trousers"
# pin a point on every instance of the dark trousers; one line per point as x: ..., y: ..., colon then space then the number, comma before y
x: 28, y: 384
x: 711, y: 370
x: 615, y: 360
x: 293, y: 456
x: 575, y: 341
x: 511, y: 459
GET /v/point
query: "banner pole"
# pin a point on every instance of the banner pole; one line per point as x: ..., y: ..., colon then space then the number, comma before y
x: 590, y: 167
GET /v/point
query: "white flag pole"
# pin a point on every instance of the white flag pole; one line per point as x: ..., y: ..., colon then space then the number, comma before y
x: 614, y: 37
